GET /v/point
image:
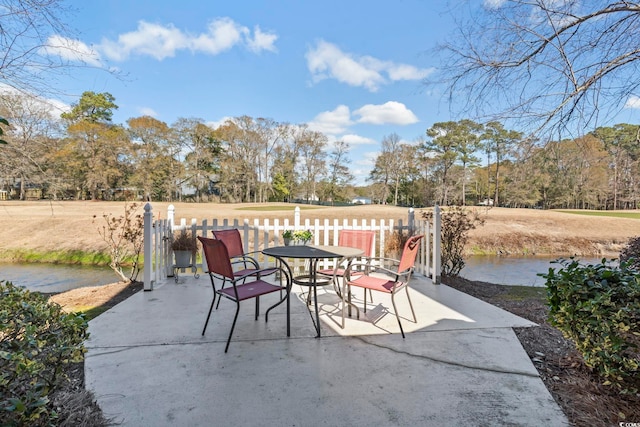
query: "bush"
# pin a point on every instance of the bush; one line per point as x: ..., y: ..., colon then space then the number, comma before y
x: 37, y: 341
x: 631, y: 253
x: 598, y: 308
x: 457, y: 221
x: 395, y: 241
x: 124, y: 236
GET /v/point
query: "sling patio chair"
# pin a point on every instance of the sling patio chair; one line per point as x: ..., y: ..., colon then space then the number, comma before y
x: 361, y: 239
x: 376, y: 277
x: 249, y: 265
x: 243, y: 287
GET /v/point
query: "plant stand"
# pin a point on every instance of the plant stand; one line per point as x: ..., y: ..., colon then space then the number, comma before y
x: 177, y: 268
x: 183, y: 261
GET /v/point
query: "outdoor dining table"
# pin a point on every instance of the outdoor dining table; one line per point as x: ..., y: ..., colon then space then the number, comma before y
x: 314, y: 253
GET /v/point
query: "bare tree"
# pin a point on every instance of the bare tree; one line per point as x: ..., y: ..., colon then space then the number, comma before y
x: 29, y: 136
x: 339, y: 175
x: 387, y: 168
x: 36, y: 45
x: 557, y: 65
x: 312, y: 161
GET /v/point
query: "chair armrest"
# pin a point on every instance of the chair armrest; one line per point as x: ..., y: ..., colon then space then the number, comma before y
x: 370, y: 268
x: 263, y: 272
x: 244, y: 259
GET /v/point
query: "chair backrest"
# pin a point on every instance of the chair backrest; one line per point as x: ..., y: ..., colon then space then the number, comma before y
x: 361, y: 239
x: 217, y: 256
x: 232, y: 241
x: 409, y: 253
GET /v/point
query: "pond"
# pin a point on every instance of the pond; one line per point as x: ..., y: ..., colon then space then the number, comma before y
x: 59, y: 278
x: 512, y: 270
x: 55, y: 278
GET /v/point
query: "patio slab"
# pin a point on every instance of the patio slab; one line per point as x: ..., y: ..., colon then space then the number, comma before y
x: 461, y: 363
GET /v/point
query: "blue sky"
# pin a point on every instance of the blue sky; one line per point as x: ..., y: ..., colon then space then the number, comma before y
x: 351, y: 69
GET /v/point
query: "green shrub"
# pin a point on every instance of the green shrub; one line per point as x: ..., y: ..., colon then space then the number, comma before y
x: 37, y: 340
x: 598, y: 308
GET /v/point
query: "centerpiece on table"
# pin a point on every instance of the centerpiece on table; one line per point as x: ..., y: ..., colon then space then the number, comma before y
x: 297, y: 237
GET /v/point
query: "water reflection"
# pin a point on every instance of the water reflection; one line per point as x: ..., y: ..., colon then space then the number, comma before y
x: 512, y: 270
x: 55, y: 278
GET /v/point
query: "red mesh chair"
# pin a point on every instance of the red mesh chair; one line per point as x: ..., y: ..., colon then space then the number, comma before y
x: 247, y: 286
x: 361, y: 239
x: 386, y: 280
x: 248, y: 264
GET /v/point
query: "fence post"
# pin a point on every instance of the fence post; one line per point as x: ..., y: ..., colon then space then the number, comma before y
x: 296, y: 218
x: 148, y: 250
x: 171, y: 214
x: 411, y: 221
x: 437, y: 236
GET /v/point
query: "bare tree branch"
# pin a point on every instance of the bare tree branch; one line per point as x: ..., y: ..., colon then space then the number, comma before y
x: 550, y: 65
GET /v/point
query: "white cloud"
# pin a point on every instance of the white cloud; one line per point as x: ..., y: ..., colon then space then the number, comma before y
x: 326, y: 60
x: 149, y: 39
x: 632, y: 102
x: 407, y: 72
x: 332, y: 122
x: 146, y: 111
x: 52, y: 107
x: 388, y: 113
x: 352, y: 139
x: 493, y: 4
x: 162, y: 41
x: 223, y: 34
x: 215, y: 124
x: 71, y: 50
x: 261, y: 41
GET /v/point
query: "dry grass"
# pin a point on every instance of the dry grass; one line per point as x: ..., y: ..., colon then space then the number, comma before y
x: 51, y: 225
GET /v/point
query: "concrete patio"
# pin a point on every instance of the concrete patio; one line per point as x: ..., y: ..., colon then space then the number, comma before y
x: 460, y: 364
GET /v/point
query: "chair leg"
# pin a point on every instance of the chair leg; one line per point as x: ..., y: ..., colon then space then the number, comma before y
x: 210, y: 309
x: 233, y: 325
x: 365, y: 299
x: 222, y: 287
x: 415, y: 319
x: 257, y: 307
x: 395, y: 309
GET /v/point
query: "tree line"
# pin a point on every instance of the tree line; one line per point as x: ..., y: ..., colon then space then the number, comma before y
x: 464, y: 162
x: 84, y: 155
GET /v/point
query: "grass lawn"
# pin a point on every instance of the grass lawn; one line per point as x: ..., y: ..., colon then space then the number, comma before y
x: 615, y: 214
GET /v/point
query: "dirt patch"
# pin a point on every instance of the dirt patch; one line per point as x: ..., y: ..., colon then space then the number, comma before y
x: 95, y: 297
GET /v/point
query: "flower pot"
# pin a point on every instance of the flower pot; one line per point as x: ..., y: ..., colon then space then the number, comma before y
x: 183, y: 258
x: 287, y: 242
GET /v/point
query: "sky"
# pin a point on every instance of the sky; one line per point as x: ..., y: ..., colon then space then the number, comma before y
x: 352, y: 69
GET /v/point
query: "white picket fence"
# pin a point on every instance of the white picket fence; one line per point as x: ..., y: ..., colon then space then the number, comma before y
x: 257, y: 236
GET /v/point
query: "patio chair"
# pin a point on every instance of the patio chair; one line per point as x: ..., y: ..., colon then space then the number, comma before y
x: 361, y: 239
x: 249, y: 264
x: 385, y: 279
x: 243, y: 287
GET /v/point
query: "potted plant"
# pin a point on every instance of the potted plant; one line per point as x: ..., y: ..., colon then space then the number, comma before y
x: 184, y: 246
x: 287, y: 236
x: 303, y: 236
x: 298, y: 237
